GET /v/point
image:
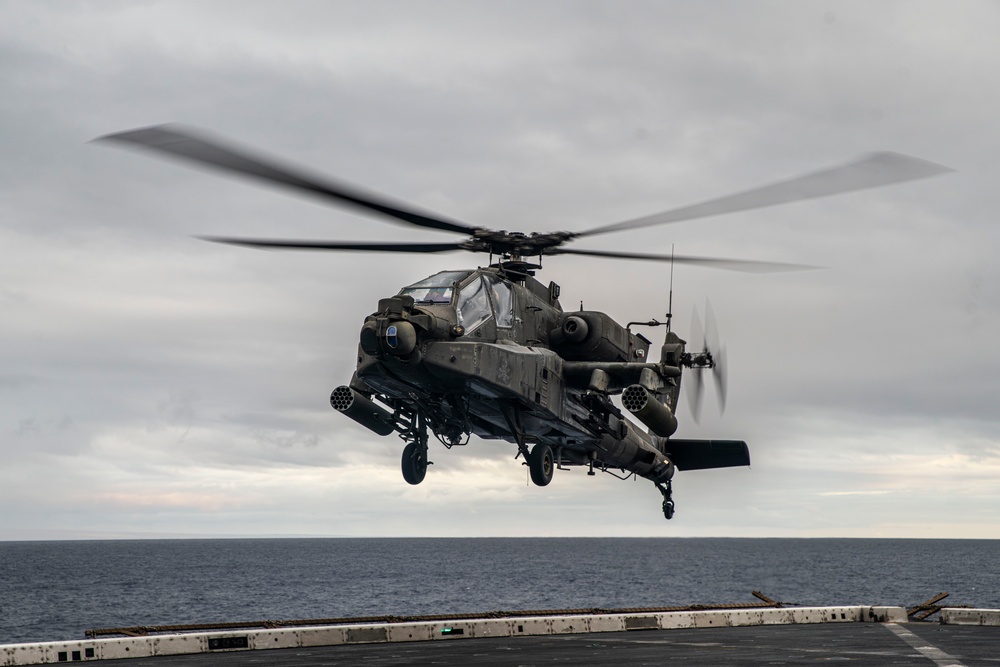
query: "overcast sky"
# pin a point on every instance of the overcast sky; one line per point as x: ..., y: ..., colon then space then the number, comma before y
x: 152, y: 384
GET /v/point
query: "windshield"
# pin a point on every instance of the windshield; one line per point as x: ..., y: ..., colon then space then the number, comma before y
x: 473, y: 305
x: 503, y: 302
x: 435, y: 289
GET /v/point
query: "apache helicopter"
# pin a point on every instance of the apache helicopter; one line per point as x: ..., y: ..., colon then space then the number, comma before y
x: 491, y: 352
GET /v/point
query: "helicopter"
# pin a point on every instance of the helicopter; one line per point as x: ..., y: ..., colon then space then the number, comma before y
x: 491, y: 352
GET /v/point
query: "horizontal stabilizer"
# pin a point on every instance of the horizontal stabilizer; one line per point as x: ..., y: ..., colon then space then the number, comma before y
x: 705, y: 454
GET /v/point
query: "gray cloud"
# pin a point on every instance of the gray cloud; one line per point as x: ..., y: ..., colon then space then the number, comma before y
x: 153, y: 383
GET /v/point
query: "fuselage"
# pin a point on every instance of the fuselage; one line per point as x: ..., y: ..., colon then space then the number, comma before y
x: 477, y: 352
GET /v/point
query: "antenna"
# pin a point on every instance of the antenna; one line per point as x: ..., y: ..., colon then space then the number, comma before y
x: 670, y: 302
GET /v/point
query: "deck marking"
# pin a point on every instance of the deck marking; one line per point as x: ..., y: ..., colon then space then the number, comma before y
x: 932, y: 653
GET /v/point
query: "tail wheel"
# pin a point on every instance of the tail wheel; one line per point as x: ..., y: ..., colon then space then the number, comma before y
x: 542, y: 464
x: 414, y: 463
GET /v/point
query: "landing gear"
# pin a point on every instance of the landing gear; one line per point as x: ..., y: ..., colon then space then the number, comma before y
x: 541, y: 464
x: 414, y: 462
x: 668, y: 503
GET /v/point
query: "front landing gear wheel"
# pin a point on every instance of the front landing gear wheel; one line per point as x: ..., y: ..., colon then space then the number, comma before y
x: 541, y: 464
x: 668, y: 509
x: 414, y: 463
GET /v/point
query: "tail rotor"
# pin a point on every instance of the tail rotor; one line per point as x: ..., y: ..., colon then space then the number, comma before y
x: 695, y: 385
x: 705, y: 352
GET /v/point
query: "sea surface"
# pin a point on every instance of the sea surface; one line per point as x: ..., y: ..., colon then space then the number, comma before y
x: 56, y: 590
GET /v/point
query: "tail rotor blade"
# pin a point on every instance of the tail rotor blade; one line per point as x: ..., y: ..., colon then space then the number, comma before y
x: 696, y: 383
x: 711, y: 329
x: 697, y: 334
x: 695, y: 391
x: 718, y: 352
x: 720, y: 372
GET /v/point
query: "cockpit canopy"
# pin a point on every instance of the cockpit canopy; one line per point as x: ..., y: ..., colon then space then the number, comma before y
x: 436, y: 289
x: 483, y: 296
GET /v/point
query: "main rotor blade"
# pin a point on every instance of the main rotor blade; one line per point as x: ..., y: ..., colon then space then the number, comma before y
x: 333, y: 245
x: 744, y: 265
x: 190, y: 145
x: 873, y: 171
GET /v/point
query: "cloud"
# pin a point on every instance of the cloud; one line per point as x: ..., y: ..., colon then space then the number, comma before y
x: 154, y: 383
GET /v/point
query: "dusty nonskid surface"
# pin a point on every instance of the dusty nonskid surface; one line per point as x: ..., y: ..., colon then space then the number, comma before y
x: 873, y: 644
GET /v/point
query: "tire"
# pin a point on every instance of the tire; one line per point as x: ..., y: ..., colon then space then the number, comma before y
x: 541, y: 464
x: 414, y: 463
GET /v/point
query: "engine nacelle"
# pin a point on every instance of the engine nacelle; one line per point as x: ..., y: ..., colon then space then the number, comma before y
x: 592, y: 336
x: 656, y: 415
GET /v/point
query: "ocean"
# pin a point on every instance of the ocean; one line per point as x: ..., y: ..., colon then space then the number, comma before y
x: 56, y: 590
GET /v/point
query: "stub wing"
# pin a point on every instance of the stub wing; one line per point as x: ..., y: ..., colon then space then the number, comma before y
x: 706, y: 454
